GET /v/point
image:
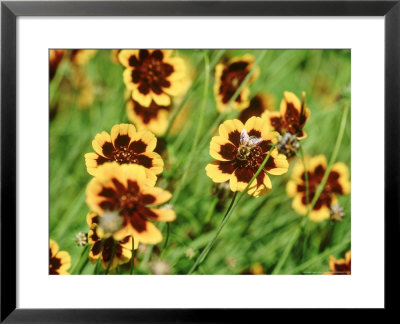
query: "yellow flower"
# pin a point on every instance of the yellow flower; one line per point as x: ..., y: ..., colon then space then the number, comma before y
x: 229, y: 77
x: 126, y: 190
x: 104, y: 245
x: 153, y: 75
x: 126, y: 146
x: 292, y: 116
x: 153, y: 118
x: 337, y: 184
x: 341, y: 266
x: 258, y: 105
x: 60, y: 261
x: 239, y: 151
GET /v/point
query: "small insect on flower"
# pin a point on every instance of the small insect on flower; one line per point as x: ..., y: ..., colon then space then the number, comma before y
x: 337, y: 213
x: 125, y: 146
x: 229, y: 77
x: 292, y: 116
x: 81, y: 239
x: 125, y: 191
x: 340, y: 266
x: 153, y: 75
x: 240, y: 150
x: 60, y: 261
x: 104, y: 246
x: 153, y: 118
x: 337, y: 184
x: 288, y: 145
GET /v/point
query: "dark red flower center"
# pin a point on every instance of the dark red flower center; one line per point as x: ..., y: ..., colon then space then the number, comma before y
x: 150, y: 71
x: 55, y: 264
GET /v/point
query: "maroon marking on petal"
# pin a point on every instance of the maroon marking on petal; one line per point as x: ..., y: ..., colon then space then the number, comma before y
x: 133, y: 61
x: 165, y: 83
x: 107, y: 205
x: 138, y: 146
x: 228, y: 151
x: 120, y: 187
x: 333, y: 184
x: 156, y: 87
x: 276, y: 123
x: 254, y: 132
x: 256, y: 108
x: 122, y: 141
x: 234, y: 137
x: 168, y: 69
x: 124, y: 240
x: 55, y: 264
x: 244, y: 174
x: 108, y: 249
x: 94, y: 235
x: 292, y: 119
x: 319, y: 171
x: 270, y: 164
x: 101, y: 160
x: 158, y: 55
x: 226, y: 167
x: 144, y: 160
x: 144, y: 88
x: 108, y: 149
x: 147, y: 213
x: 265, y: 146
x: 135, y: 76
x: 148, y: 199
x: 95, y: 219
x: 143, y: 54
x: 147, y: 114
x: 96, y: 248
x: 138, y: 222
x: 133, y: 187
x: 107, y: 192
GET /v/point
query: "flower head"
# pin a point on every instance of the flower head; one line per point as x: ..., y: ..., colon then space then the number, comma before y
x: 153, y: 75
x: 125, y: 190
x: 337, y: 212
x: 288, y: 144
x: 258, y: 105
x: 240, y: 150
x: 340, y: 266
x: 337, y: 184
x: 229, y: 77
x: 104, y: 246
x: 292, y: 116
x: 160, y: 267
x: 125, y: 146
x: 153, y: 118
x: 60, y: 261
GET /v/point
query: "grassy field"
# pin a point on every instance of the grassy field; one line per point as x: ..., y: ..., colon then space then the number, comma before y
x: 263, y: 234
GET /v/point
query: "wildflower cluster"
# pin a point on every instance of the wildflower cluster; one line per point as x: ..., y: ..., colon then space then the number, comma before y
x: 135, y: 173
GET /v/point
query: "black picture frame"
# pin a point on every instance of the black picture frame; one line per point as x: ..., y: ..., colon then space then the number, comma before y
x: 10, y: 10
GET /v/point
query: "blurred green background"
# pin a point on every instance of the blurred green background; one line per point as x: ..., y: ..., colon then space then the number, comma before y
x: 87, y: 99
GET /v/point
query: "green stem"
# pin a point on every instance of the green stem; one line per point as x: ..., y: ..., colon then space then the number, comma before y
x: 210, y: 211
x: 80, y: 258
x: 228, y: 213
x: 133, y: 256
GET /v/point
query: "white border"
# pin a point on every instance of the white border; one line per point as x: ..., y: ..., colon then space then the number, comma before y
x: 364, y: 288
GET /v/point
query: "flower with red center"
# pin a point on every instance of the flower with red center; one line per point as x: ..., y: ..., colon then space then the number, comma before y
x: 126, y: 190
x: 229, y: 77
x: 153, y: 118
x: 126, y: 146
x: 104, y: 246
x: 292, y: 116
x: 257, y: 106
x: 153, y: 75
x: 81, y: 57
x: 337, y: 184
x: 60, y: 261
x: 240, y: 150
x: 340, y: 266
x: 55, y: 57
